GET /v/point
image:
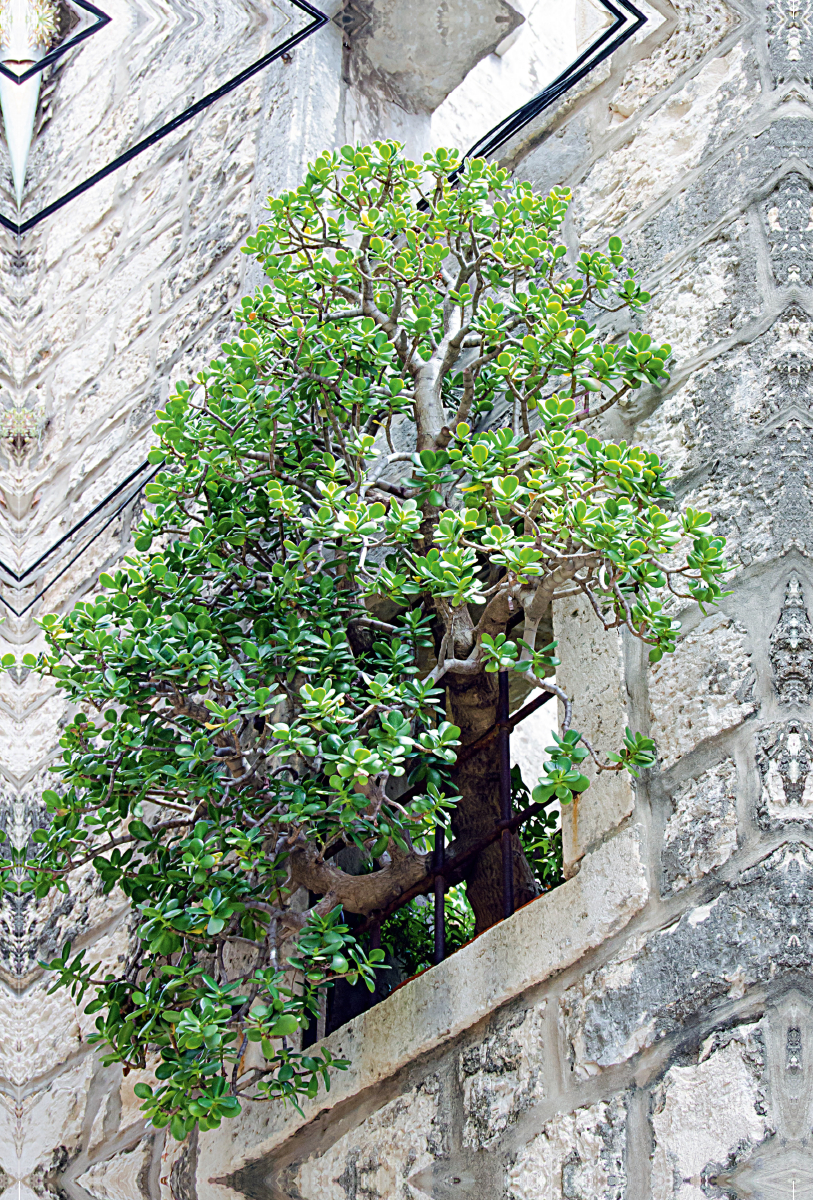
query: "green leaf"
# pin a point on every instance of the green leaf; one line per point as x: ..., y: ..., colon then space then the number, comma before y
x: 285, y: 1026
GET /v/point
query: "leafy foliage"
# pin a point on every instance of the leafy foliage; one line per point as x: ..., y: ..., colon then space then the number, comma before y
x: 409, y: 934
x: 540, y: 835
x: 387, y: 468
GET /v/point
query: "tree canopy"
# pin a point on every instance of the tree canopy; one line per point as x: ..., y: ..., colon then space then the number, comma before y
x: 364, y: 510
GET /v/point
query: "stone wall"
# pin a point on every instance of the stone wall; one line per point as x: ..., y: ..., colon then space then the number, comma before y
x: 644, y: 1029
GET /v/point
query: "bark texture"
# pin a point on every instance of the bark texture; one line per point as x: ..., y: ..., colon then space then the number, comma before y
x: 473, y: 707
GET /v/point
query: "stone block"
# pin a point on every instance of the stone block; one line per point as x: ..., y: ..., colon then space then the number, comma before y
x: 701, y: 690
x: 578, y: 1155
x: 665, y: 146
x: 53, y: 1119
x: 701, y: 833
x: 784, y: 755
x: 376, y: 1159
x: 416, y: 57
x: 736, y: 419
x: 25, y: 746
x: 591, y: 672
x: 176, y: 1175
x: 502, y: 1076
x: 695, y: 30
x: 708, y: 297
x: 714, y: 953
x: 123, y: 1176
x: 529, y: 739
x: 30, y: 1050
x: 706, y: 1116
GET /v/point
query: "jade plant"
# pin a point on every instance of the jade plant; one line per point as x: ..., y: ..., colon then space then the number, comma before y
x: 364, y: 510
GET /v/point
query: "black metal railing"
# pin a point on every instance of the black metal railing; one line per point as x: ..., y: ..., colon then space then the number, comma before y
x: 343, y: 1002
x: 446, y: 872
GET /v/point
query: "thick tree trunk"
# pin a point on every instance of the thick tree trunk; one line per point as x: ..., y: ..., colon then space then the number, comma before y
x: 473, y: 706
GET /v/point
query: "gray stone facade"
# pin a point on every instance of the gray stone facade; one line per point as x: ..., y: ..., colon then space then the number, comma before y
x: 645, y: 1030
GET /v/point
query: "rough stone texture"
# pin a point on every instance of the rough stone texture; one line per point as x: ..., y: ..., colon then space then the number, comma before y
x: 792, y: 648
x: 121, y: 1177
x: 749, y: 933
x: 592, y: 673
x: 701, y: 834
x: 418, y: 55
x: 579, y: 1155
x: 668, y: 145
x: 377, y: 1159
x: 33, y: 1050
x: 51, y: 1122
x: 700, y: 1112
x: 502, y: 1076
x: 784, y: 758
x: 703, y: 689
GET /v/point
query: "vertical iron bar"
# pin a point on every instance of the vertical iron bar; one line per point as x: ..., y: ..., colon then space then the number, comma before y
x: 310, y: 1032
x: 438, y: 864
x: 375, y: 937
x: 503, y: 735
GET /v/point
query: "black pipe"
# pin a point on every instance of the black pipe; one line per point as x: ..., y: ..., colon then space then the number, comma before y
x: 504, y: 741
x: 439, y: 887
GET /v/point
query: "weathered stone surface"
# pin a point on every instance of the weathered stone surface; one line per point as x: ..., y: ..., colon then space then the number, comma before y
x: 30, y: 1050
x: 666, y: 146
x: 128, y: 1104
x: 792, y: 647
x: 752, y: 481
x: 578, y: 1155
x: 695, y: 30
x: 785, y: 218
x: 53, y: 1121
x: 502, y: 1075
x: 416, y: 57
x: 377, y: 1159
x: 708, y: 1116
x: 121, y: 1177
x: 592, y: 674
x: 753, y: 932
x: 785, y: 758
x: 176, y: 1176
x: 708, y: 297
x: 701, y: 834
x: 701, y: 690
